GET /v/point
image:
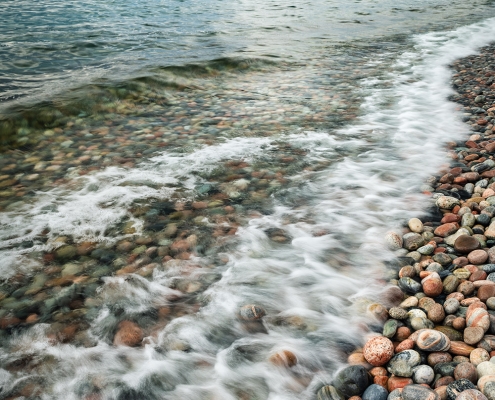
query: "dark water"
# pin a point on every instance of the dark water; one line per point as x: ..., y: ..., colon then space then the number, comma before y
x: 169, y: 162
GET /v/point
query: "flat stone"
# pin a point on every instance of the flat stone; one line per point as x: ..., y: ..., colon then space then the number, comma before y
x: 477, y: 257
x: 465, y: 244
x: 328, y: 392
x: 446, y: 229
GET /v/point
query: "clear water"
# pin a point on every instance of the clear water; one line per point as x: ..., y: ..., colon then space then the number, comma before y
x: 280, y: 141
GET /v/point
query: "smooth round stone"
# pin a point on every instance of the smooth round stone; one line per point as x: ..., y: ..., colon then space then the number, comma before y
x: 375, y: 392
x: 426, y: 303
x: 477, y: 257
x: 450, y: 284
x: 390, y: 328
x: 489, y: 390
x: 416, y: 392
x: 443, y: 259
x: 478, y: 317
x: 447, y: 202
x: 432, y: 340
x: 352, y: 381
x: 438, y: 357
x: 471, y: 394
x: 450, y: 332
x: 426, y: 250
x: 328, y: 392
x: 408, y: 271
x: 478, y: 356
x: 483, y: 219
x: 398, y: 382
x: 378, y: 350
x: 451, y: 306
x: 416, y: 313
x: 411, y: 301
x: 490, y: 303
x: 418, y: 323
x: 485, y: 368
x: 436, y: 313
x: 432, y: 287
x: 473, y: 334
x: 465, y: 244
x: 423, y: 374
x: 393, y: 241
x: 446, y: 368
x: 466, y: 370
x: 488, y: 268
x: 460, y: 348
x: 412, y: 241
x: 398, y: 313
x: 457, y: 387
x: 415, y: 255
x: 415, y: 225
x: 434, y: 267
x: 409, y: 286
x: 468, y: 219
x: 402, y: 364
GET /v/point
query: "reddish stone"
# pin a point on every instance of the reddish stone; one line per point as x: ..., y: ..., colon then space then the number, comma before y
x: 488, y: 174
x: 471, y: 176
x: 378, y: 350
x: 284, y: 358
x: 432, y: 287
x: 381, y: 380
x: 378, y: 371
x: 472, y: 145
x: 490, y: 147
x: 477, y: 257
x: 460, y: 180
x: 449, y: 217
x: 397, y: 382
x: 478, y: 275
x: 456, y: 171
x: 402, y: 333
x: 445, y: 186
x: 446, y: 229
x: 466, y: 288
x: 459, y: 323
x: 447, y: 178
x: 407, y: 344
x: 471, y: 157
x: 444, y: 381
x: 466, y: 244
x: 128, y: 334
x: 460, y: 348
x: 485, y: 292
x: 438, y: 357
x: 7, y: 322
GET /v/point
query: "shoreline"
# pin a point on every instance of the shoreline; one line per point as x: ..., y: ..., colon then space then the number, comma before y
x: 438, y: 339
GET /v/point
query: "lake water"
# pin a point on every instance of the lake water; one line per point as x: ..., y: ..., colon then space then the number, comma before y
x: 170, y: 162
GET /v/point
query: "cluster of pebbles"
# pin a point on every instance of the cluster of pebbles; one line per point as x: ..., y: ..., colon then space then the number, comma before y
x: 438, y: 339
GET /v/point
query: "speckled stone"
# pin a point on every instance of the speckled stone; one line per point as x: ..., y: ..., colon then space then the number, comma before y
x: 402, y: 364
x: 397, y: 313
x: 489, y: 390
x: 436, y: 313
x: 457, y: 387
x: 451, y: 306
x: 375, y: 392
x: 412, y: 241
x: 478, y: 356
x: 471, y: 394
x: 432, y: 287
x: 438, y: 357
x: 395, y: 394
x: 466, y: 370
x: 432, y: 340
x: 447, y: 202
x: 416, y: 392
x: 328, y: 392
x: 393, y: 241
x: 352, y: 381
x: 484, y: 380
x: 378, y: 350
x: 423, y: 374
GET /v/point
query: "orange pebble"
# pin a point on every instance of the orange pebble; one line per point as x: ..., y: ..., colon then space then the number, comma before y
x: 378, y: 371
x: 381, y: 380
x: 407, y: 344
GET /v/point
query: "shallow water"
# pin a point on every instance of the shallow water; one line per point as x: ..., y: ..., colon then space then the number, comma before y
x: 178, y: 195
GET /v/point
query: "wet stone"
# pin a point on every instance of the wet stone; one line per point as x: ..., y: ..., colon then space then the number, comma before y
x: 432, y: 340
x: 466, y: 370
x: 402, y: 364
x: 352, y: 381
x: 445, y: 368
x: 465, y: 244
x: 397, y: 313
x: 378, y: 350
x: 329, y: 392
x: 390, y: 328
x: 412, y: 241
x: 451, y: 306
x: 375, y: 392
x: 251, y: 312
x: 409, y: 285
x: 450, y: 284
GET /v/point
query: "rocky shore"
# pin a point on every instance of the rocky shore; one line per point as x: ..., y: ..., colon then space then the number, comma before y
x: 438, y: 339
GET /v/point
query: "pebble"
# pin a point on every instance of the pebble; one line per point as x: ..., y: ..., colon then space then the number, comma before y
x: 471, y: 394
x: 128, y: 334
x: 457, y: 387
x: 416, y: 392
x: 415, y: 225
x: 329, y: 392
x: 466, y: 244
x: 423, y: 374
x: 375, y: 392
x: 352, y: 380
x: 402, y: 364
x: 378, y: 350
x: 251, y: 312
x: 431, y: 340
x: 466, y: 370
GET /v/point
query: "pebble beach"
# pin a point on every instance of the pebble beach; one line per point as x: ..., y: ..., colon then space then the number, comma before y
x: 438, y: 338
x: 241, y: 207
